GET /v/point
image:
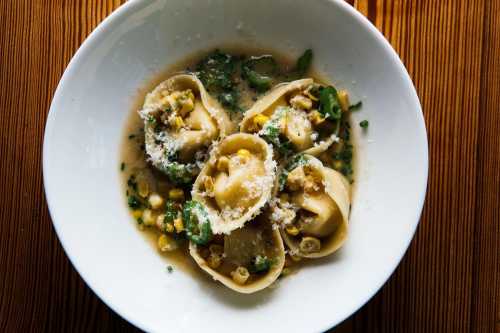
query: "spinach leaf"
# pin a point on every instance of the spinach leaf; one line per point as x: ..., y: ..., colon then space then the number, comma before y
x: 329, y: 105
x: 258, y: 72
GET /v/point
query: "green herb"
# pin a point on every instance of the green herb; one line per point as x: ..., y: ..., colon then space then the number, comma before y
x: 132, y: 183
x: 356, y: 107
x: 131, y: 136
x: 260, y: 264
x: 364, y: 124
x: 216, y: 72
x: 122, y: 166
x: 304, y: 62
x: 329, y: 105
x: 258, y: 72
x: 134, y: 202
x: 170, y: 212
x: 195, y: 218
x: 271, y: 132
x: 151, y: 120
x: 295, y: 162
x: 301, y: 66
x: 170, y: 269
x: 179, y: 173
x: 140, y: 221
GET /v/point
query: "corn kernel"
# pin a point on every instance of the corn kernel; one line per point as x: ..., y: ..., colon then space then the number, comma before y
x: 178, y: 122
x: 315, y: 117
x: 240, y: 275
x: 343, y: 100
x: 176, y: 194
x: 223, y: 163
x: 243, y: 153
x: 301, y: 102
x: 155, y: 200
x: 259, y: 120
x: 169, y: 227
x: 309, y: 245
x: 187, y: 105
x: 148, y: 217
x: 137, y: 213
x: 292, y: 230
x: 209, y: 184
x: 178, y: 225
x: 214, y: 261
x: 166, y: 243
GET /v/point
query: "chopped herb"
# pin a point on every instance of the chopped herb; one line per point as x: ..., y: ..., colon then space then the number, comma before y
x: 304, y: 62
x: 132, y: 183
x: 140, y: 221
x: 151, y: 120
x: 356, y: 107
x: 122, y: 166
x: 364, y: 124
x: 134, y: 202
x: 295, y: 162
x: 271, y: 132
x: 131, y: 136
x: 170, y: 212
x: 258, y: 72
x: 179, y: 173
x: 197, y: 223
x: 170, y: 269
x: 216, y: 71
x: 301, y: 67
x: 329, y: 105
x: 260, y: 264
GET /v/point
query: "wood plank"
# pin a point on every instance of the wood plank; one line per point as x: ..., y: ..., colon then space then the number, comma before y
x: 440, y: 43
x: 486, y: 278
x: 448, y: 281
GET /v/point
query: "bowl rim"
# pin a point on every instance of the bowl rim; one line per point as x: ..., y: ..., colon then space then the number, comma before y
x: 129, y: 7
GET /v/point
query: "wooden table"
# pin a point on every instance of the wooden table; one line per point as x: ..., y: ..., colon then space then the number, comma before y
x: 449, y: 281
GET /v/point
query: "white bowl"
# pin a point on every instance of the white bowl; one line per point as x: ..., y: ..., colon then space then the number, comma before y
x: 83, y: 186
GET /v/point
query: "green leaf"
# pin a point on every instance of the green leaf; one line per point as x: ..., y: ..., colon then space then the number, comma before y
x: 258, y: 72
x: 329, y: 105
x: 356, y: 107
x: 304, y: 62
x: 364, y: 124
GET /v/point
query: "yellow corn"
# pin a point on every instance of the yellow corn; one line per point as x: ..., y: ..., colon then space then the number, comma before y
x: 240, y: 275
x: 223, y: 163
x: 243, y: 153
x: 343, y: 100
x: 148, y: 217
x: 214, y: 261
x: 176, y: 194
x: 209, y: 184
x: 292, y: 230
x: 178, y: 122
x: 169, y: 227
x: 155, y: 200
x: 166, y: 243
x: 315, y: 117
x: 259, y: 120
x: 137, y: 213
x: 178, y: 225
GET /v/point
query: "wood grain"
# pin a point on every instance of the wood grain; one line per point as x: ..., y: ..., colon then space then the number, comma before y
x: 449, y: 281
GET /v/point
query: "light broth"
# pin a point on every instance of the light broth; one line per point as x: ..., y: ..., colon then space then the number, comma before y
x: 134, y: 157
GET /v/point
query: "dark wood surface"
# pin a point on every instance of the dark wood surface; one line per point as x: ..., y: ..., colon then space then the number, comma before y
x: 449, y: 281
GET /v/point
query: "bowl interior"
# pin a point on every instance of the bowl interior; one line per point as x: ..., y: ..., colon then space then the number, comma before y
x: 83, y: 185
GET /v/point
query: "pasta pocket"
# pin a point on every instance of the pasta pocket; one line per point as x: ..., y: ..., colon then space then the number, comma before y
x: 236, y: 181
x: 181, y: 121
x: 312, y: 207
x: 300, y: 116
x: 246, y: 260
